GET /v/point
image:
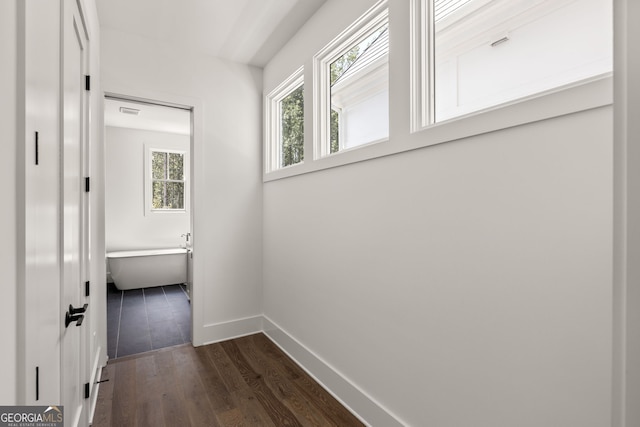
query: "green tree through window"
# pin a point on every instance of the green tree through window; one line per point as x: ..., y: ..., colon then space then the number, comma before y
x: 292, y: 122
x: 167, y: 169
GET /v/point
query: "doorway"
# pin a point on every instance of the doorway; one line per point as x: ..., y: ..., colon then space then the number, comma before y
x: 148, y: 209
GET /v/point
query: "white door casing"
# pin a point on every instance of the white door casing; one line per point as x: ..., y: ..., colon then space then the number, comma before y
x: 74, y: 352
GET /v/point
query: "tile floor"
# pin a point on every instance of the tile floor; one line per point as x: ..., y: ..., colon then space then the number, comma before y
x: 140, y: 320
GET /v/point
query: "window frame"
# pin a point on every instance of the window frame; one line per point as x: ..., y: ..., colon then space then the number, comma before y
x: 273, y: 121
x: 406, y: 96
x: 422, y: 78
x: 375, y: 17
x: 149, y: 180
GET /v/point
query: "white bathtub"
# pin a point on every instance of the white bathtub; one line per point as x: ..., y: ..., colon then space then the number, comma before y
x: 148, y: 268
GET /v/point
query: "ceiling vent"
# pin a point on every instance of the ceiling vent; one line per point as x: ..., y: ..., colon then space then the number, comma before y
x: 126, y: 110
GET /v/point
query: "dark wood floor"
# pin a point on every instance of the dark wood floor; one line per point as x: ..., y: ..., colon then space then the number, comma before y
x: 242, y: 382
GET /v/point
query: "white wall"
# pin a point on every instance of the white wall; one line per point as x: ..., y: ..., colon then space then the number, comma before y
x: 462, y: 284
x: 227, y: 220
x: 8, y: 229
x: 128, y: 225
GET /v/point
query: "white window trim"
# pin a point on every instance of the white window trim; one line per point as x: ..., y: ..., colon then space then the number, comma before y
x: 375, y: 17
x: 148, y: 181
x: 422, y: 71
x: 405, y: 130
x: 273, y: 127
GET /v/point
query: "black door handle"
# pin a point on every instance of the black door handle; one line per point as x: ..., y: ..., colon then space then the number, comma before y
x: 78, y: 310
x: 73, y: 315
x: 68, y: 318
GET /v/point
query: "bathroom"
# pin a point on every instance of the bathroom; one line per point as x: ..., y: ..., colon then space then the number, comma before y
x: 147, y: 226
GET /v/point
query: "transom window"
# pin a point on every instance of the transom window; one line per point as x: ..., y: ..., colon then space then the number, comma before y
x: 284, y: 128
x: 291, y: 110
x: 478, y: 54
x: 474, y: 66
x: 352, y: 86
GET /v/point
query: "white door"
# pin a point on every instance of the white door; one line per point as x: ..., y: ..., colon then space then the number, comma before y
x: 74, y: 231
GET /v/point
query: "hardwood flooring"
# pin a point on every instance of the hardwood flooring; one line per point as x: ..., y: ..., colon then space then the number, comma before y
x: 247, y: 381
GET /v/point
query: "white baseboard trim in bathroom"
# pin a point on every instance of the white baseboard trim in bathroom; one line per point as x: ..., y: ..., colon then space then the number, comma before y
x: 233, y: 329
x: 363, y: 406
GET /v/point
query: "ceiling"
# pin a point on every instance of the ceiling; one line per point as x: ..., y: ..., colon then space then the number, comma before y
x: 244, y: 31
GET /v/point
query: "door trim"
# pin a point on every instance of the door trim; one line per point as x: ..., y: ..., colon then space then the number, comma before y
x: 196, y: 176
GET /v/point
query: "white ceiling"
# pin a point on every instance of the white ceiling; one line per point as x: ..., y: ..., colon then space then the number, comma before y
x: 245, y: 31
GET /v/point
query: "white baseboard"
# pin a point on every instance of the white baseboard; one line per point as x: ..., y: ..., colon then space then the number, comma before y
x: 358, y: 402
x: 361, y: 405
x: 217, y: 332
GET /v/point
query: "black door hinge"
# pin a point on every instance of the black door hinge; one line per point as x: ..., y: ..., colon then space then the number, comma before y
x: 37, y: 148
x: 87, y: 184
x: 87, y: 391
x: 37, y: 383
x: 87, y: 82
x: 86, y: 288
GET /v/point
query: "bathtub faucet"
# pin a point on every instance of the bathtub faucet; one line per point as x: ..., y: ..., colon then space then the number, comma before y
x: 186, y: 238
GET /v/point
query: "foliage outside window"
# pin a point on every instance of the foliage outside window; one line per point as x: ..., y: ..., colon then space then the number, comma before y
x: 284, y: 124
x: 167, y: 180
x: 292, y: 128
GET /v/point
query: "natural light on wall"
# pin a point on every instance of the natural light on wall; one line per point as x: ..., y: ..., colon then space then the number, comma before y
x: 490, y: 52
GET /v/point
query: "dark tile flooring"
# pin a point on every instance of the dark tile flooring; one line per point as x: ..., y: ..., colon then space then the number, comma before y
x: 140, y: 320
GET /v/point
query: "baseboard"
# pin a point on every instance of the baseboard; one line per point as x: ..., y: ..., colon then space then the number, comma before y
x: 358, y: 402
x: 217, y: 332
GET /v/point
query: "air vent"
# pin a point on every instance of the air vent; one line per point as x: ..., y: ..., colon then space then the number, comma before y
x: 126, y: 110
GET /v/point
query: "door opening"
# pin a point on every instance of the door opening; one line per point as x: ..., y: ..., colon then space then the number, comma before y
x: 148, y: 224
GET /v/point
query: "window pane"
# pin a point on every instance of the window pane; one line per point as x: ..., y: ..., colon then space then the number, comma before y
x: 157, y: 201
x: 176, y: 169
x: 359, y: 82
x: 292, y: 127
x: 168, y: 195
x: 175, y: 195
x: 158, y: 164
x: 491, y: 52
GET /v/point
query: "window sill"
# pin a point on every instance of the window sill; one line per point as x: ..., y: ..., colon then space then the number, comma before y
x: 586, y: 95
x: 166, y: 211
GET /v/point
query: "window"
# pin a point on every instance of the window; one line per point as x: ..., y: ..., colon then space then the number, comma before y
x: 292, y: 127
x: 167, y: 183
x: 285, y: 124
x: 473, y: 67
x: 352, y: 86
x: 477, y: 54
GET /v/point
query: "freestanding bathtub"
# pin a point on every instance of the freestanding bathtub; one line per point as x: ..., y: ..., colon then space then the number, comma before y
x: 148, y: 268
